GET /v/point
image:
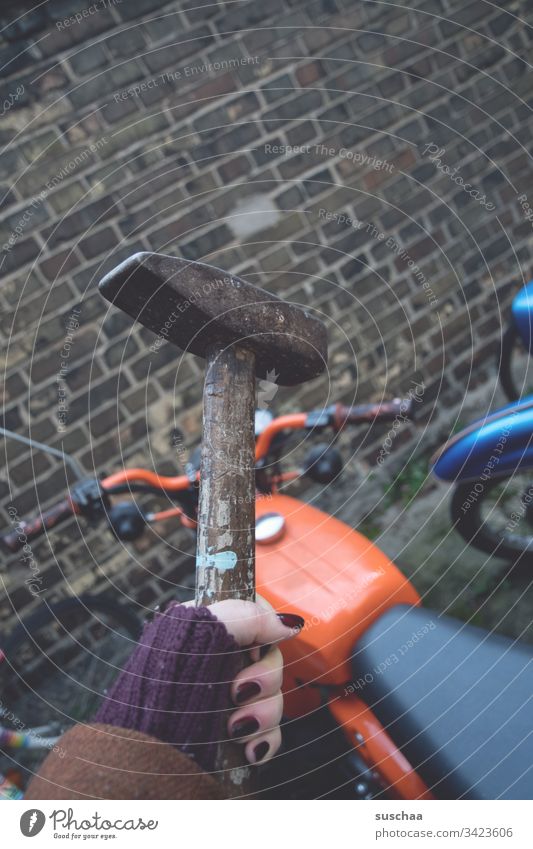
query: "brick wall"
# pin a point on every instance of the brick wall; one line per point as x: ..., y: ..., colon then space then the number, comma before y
x: 307, y: 146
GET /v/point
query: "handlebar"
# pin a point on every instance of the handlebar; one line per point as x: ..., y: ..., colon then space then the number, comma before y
x: 386, y: 411
x: 91, y: 498
x: 27, y: 530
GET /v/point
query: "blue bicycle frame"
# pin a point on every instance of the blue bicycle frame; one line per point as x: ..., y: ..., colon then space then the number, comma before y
x: 495, y: 446
x: 522, y: 315
x: 501, y: 443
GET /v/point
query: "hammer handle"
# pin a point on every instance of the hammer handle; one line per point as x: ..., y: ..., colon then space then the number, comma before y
x: 225, y: 565
x: 226, y: 510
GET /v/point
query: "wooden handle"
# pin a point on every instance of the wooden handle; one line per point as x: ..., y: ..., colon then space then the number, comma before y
x: 225, y: 562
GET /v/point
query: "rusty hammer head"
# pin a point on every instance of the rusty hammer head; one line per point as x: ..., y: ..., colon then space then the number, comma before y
x: 197, y: 306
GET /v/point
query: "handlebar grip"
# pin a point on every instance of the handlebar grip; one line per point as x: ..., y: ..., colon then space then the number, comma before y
x: 32, y: 528
x: 386, y: 411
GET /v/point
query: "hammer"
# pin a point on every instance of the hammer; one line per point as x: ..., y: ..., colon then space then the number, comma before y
x: 242, y: 332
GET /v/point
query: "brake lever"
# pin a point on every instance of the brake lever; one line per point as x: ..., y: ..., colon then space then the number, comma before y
x: 90, y: 499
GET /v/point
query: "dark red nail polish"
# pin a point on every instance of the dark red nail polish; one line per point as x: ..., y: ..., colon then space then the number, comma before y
x: 245, y: 726
x: 260, y: 751
x: 291, y: 620
x: 247, y: 691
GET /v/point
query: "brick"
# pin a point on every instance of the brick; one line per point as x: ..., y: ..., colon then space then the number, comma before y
x: 501, y: 23
x: 247, y: 16
x: 226, y: 115
x: 42, y: 146
x: 135, y: 192
x: 371, y: 42
x: 101, y: 85
x: 22, y: 252
x: 141, y: 7
x: 10, y: 419
x: 310, y: 73
x: 138, y: 399
x: 60, y: 263
x: 394, y: 83
x: 234, y: 168
x: 15, y: 57
x: 277, y: 88
x: 260, y: 153
x: 56, y: 41
x: 135, y: 133
x: 120, y: 352
x: 127, y: 42
x: 66, y: 197
x: 230, y: 142
x: 9, y: 163
x: 13, y: 97
x: 301, y: 104
x: 295, y: 165
x: 186, y: 44
x: 127, y: 72
x: 195, y: 12
x: 25, y: 220
x: 86, y: 218
x: 13, y: 387
x: 301, y: 133
x: 14, y: 30
x: 221, y: 84
x: 203, y: 245
x: 99, y: 242
x: 290, y: 198
x: 117, y: 111
x: 88, y: 59
x: 199, y: 185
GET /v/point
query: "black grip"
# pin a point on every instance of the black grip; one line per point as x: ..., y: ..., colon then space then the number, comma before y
x: 26, y: 530
x: 386, y: 411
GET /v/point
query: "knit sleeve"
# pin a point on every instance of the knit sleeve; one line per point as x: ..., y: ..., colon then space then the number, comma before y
x: 175, y: 686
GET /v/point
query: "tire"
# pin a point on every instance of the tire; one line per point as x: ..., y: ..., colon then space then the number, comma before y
x: 509, y: 342
x: 60, y: 661
x: 94, y: 603
x: 484, y: 533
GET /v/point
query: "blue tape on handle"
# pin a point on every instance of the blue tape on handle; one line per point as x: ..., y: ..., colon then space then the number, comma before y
x: 223, y: 561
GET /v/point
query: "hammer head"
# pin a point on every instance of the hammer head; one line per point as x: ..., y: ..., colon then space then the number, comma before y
x: 198, y: 306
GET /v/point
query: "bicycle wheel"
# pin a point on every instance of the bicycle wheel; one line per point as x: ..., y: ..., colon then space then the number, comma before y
x: 496, y: 516
x: 516, y: 366
x: 58, y: 665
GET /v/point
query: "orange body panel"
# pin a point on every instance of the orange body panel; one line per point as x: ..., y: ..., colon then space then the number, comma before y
x: 377, y: 749
x: 335, y: 578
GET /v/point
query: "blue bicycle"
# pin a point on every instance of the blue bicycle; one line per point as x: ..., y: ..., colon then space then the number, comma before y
x: 491, y: 460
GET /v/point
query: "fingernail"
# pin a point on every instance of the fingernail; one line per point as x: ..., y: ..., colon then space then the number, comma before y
x: 245, y: 726
x: 247, y: 691
x: 291, y: 620
x: 260, y: 751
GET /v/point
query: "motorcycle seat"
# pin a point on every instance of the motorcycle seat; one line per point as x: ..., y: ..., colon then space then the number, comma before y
x: 456, y: 700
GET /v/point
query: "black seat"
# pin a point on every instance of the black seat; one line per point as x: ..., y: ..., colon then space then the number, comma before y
x: 457, y: 701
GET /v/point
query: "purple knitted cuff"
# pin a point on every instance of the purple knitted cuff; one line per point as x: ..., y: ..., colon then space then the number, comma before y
x: 175, y: 686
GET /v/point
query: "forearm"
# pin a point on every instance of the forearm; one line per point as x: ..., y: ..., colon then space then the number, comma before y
x: 175, y: 686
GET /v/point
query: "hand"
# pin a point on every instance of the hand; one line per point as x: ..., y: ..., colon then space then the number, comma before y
x: 257, y: 688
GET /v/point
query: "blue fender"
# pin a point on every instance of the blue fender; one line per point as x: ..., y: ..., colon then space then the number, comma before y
x: 522, y: 311
x: 492, y: 447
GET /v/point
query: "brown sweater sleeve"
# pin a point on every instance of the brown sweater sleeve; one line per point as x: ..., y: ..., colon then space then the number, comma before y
x: 106, y: 762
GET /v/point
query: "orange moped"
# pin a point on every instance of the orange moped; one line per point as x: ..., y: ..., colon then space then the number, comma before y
x: 383, y: 697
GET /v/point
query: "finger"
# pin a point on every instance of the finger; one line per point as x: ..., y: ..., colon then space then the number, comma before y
x: 260, y: 680
x: 264, y: 747
x: 255, y: 654
x: 252, y: 624
x: 250, y: 721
